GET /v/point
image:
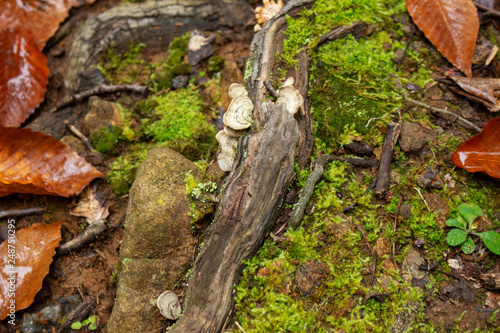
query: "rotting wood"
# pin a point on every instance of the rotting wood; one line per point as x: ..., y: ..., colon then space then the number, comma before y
x: 383, y: 176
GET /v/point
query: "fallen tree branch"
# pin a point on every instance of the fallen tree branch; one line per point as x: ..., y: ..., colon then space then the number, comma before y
x: 21, y: 212
x: 87, y: 236
x: 100, y: 90
x: 319, y: 169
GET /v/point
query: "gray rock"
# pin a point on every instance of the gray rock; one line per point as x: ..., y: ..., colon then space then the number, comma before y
x: 414, y: 136
x: 180, y: 81
x: 101, y: 114
x: 157, y: 245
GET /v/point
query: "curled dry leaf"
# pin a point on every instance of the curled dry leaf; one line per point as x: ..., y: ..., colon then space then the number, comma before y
x: 482, y: 90
x: 481, y: 152
x: 32, y: 162
x: 23, y: 76
x: 92, y: 205
x: 42, y: 17
x: 451, y: 25
x: 34, y: 249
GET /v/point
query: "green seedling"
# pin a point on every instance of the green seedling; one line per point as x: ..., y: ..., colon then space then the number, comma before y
x: 90, y: 322
x: 463, y: 229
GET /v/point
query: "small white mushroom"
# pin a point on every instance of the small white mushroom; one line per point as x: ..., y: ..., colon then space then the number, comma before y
x: 236, y: 90
x: 227, y: 152
x: 239, y: 113
x: 169, y: 305
x: 290, y: 97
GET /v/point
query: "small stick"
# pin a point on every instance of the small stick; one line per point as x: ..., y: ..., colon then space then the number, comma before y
x: 489, y: 12
x: 421, y: 196
x: 362, y: 232
x: 77, y: 314
x: 21, y: 212
x: 239, y: 326
x: 374, y: 269
x: 79, y: 135
x: 271, y: 89
x: 438, y: 110
x: 393, y: 130
x: 406, y: 48
x: 87, y: 236
x: 319, y: 168
x: 99, y: 90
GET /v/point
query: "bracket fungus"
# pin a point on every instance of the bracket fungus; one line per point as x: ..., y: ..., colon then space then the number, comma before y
x: 169, y: 305
x: 237, y: 90
x: 267, y: 12
x: 239, y: 114
x: 290, y: 97
x: 227, y: 153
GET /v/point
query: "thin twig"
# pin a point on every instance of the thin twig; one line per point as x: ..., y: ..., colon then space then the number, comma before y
x: 79, y: 134
x: 394, y: 229
x: 488, y: 12
x: 87, y: 236
x: 362, y: 232
x: 305, y: 195
x: 21, y: 212
x: 100, y: 90
x: 374, y: 269
x: 421, y: 196
x: 239, y: 326
x: 406, y: 48
x: 271, y: 89
x: 438, y: 110
x: 384, y: 171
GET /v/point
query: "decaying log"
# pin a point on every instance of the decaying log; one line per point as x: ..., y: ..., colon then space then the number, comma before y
x: 154, y: 23
x: 249, y: 204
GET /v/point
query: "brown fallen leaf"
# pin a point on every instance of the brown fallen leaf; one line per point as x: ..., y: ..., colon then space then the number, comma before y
x: 23, y: 76
x: 26, y: 260
x: 492, y: 300
x: 32, y: 162
x: 92, y: 205
x: 481, y: 152
x: 485, y: 91
x: 451, y: 25
x: 42, y: 17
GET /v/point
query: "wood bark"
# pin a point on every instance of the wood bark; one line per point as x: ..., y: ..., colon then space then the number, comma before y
x: 261, y: 174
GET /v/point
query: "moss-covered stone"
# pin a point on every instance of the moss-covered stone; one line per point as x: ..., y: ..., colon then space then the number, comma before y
x: 106, y: 138
x: 215, y: 64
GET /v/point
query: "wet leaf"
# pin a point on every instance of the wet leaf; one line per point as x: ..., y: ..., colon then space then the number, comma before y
x: 32, y: 250
x: 482, y: 90
x: 32, y: 162
x: 468, y: 246
x: 42, y: 17
x: 481, y: 152
x: 492, y: 241
x: 451, y: 25
x: 456, y: 237
x: 23, y: 76
x: 454, y: 223
x: 469, y: 212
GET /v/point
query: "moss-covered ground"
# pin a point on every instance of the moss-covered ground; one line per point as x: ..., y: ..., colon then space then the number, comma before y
x: 353, y: 96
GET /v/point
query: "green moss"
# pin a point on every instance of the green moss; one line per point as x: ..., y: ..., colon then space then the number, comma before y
x: 123, y: 67
x: 215, y: 64
x: 179, y: 122
x: 124, y: 169
x: 105, y: 139
x: 174, y: 65
x: 199, y: 192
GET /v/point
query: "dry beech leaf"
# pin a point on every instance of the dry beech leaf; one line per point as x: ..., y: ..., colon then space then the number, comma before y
x: 23, y: 76
x: 32, y: 162
x: 481, y: 152
x: 42, y: 17
x: 92, y: 205
x: 451, y: 25
x: 34, y: 249
x: 482, y: 90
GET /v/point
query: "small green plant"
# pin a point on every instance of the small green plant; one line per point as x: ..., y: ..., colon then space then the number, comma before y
x: 90, y: 322
x: 463, y: 223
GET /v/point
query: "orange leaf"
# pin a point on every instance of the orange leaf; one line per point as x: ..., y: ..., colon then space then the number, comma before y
x: 451, y: 25
x: 32, y: 162
x: 26, y: 264
x: 23, y: 76
x: 481, y: 152
x: 42, y: 17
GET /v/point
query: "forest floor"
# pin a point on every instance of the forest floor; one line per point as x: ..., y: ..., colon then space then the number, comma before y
x: 319, y: 277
